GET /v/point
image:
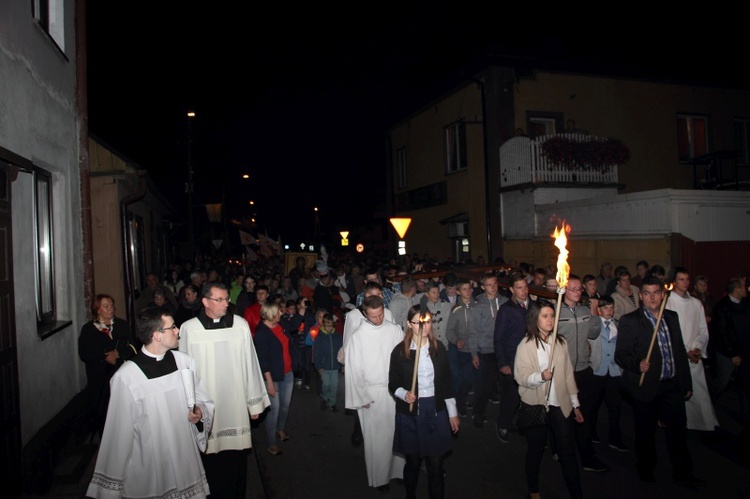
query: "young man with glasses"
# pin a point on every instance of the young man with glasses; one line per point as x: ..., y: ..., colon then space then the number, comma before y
x: 223, y: 350
x: 578, y: 324
x: 155, y: 417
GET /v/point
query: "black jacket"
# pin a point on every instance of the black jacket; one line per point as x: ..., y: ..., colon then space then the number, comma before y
x: 633, y: 340
x: 729, y: 321
x: 401, y: 371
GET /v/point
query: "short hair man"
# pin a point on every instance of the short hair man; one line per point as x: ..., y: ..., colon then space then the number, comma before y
x: 577, y: 325
x: 666, y: 383
x: 368, y: 356
x: 439, y: 311
x: 403, y: 301
x: 510, y: 329
x: 147, y: 295
x: 223, y: 350
x: 700, y: 411
x: 641, y: 271
x: 729, y: 324
x: 373, y: 275
x: 482, y: 343
x: 352, y: 321
x: 457, y: 333
x: 158, y: 420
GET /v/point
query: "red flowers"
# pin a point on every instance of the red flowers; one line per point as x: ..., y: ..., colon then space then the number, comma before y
x: 595, y: 153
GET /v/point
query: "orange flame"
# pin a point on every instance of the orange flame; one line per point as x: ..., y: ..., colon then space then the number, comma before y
x: 425, y: 318
x: 669, y: 288
x: 563, y: 269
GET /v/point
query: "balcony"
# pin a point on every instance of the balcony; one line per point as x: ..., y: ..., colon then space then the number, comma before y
x: 523, y: 164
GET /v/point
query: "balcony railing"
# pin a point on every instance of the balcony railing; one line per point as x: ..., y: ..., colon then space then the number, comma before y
x: 522, y: 162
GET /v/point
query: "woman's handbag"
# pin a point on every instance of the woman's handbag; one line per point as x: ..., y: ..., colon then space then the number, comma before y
x: 530, y: 416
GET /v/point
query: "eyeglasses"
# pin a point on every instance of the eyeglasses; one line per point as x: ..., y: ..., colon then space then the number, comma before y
x: 413, y: 322
x: 575, y: 290
x: 168, y: 328
x: 219, y: 300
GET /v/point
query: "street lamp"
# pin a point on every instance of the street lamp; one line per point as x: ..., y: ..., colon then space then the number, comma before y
x: 189, y: 185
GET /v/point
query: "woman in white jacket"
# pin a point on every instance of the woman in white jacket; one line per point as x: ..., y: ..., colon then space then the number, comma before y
x: 533, y: 372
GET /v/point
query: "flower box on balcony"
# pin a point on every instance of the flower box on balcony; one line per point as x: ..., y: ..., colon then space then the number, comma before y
x: 592, y: 153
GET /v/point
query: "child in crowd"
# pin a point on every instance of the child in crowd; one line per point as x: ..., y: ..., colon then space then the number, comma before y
x: 607, y: 379
x: 326, y: 346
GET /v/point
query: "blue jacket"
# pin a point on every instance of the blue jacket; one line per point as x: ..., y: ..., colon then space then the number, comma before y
x: 325, y: 349
x: 269, y: 350
x: 510, y: 328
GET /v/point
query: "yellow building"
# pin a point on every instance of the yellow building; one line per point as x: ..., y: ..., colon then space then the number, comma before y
x: 469, y: 170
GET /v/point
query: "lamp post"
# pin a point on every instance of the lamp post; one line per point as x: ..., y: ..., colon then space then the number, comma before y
x: 318, y: 236
x: 189, y: 185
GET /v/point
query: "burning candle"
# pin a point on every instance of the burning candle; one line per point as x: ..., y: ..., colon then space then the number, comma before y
x: 563, y: 271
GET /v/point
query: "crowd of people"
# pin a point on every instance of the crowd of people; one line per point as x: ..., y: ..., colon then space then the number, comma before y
x: 418, y: 354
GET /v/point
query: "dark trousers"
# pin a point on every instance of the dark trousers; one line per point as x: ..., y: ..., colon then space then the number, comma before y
x: 509, y: 400
x: 306, y: 365
x: 606, y: 389
x: 585, y: 382
x: 463, y: 376
x: 668, y: 406
x: 435, y: 479
x: 226, y: 473
x: 563, y: 430
x: 488, y: 377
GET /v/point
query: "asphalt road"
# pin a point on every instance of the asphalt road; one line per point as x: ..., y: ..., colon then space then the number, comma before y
x: 319, y: 460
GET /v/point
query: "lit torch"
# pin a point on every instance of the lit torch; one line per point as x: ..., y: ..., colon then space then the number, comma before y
x: 656, y: 328
x: 563, y: 270
x: 422, y: 319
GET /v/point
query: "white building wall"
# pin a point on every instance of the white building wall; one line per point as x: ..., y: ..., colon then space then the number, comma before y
x: 38, y: 122
x: 698, y: 215
x: 520, y: 218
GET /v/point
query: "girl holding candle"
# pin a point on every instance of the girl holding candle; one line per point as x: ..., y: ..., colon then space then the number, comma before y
x: 424, y: 431
x: 533, y: 371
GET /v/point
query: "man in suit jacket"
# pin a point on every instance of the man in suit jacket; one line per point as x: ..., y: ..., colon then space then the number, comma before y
x: 666, y: 385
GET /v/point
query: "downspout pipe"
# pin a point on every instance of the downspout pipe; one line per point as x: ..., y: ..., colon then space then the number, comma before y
x: 83, y: 154
x: 126, y: 255
x: 487, y: 186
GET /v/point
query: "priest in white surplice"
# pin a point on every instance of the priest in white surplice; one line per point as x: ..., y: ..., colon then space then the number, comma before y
x: 368, y: 354
x: 158, y: 418
x: 223, y: 350
x: 700, y: 410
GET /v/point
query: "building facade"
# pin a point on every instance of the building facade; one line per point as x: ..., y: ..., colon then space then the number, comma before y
x: 42, y: 305
x: 464, y: 167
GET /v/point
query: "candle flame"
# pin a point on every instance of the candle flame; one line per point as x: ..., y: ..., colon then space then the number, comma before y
x: 669, y: 288
x: 425, y: 318
x: 561, y: 240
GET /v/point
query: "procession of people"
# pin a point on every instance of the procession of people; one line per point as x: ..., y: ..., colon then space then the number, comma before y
x: 459, y: 346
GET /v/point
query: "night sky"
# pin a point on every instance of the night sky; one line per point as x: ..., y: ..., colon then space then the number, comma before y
x: 301, y: 97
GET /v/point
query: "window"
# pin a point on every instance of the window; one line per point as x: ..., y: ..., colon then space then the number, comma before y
x: 742, y: 140
x: 455, y: 147
x: 50, y: 14
x: 541, y: 126
x: 45, y: 276
x: 541, y: 123
x: 401, y: 167
x: 692, y: 136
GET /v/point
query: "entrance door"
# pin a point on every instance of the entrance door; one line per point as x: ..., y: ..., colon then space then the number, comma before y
x: 10, y: 416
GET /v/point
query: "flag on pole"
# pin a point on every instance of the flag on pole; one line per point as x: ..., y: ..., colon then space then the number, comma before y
x: 246, y: 238
x: 251, y: 254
